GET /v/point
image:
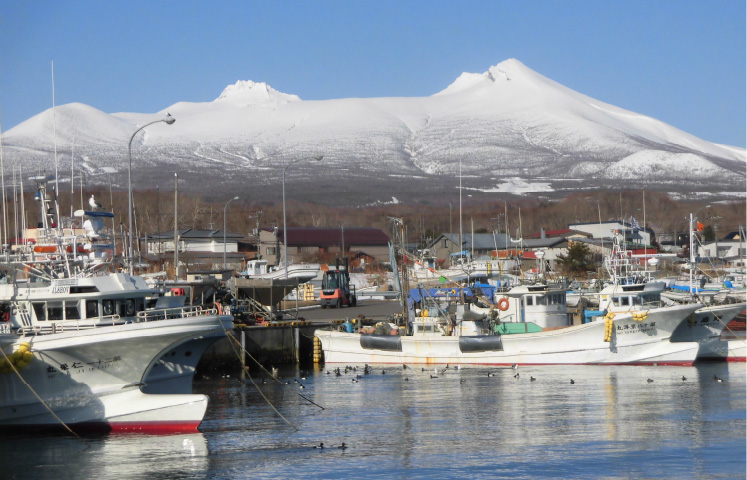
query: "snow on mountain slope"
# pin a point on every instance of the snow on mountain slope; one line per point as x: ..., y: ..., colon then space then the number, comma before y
x: 508, y: 122
x: 657, y: 165
x: 75, y: 123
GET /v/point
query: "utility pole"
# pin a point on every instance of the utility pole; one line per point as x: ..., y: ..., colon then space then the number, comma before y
x: 715, y: 219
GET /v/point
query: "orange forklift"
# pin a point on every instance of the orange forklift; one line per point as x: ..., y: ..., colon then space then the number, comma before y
x: 336, y: 288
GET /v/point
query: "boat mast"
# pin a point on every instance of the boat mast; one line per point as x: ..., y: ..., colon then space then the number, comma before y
x: 2, y: 177
x: 56, y: 173
x: 461, y: 246
x: 72, y: 177
x: 692, y: 257
x: 176, y: 231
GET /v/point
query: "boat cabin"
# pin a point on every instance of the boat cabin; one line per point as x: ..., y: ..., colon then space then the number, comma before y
x: 537, y: 304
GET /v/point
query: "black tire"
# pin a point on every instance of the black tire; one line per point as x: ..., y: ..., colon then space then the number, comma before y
x: 324, y: 305
x: 353, y: 301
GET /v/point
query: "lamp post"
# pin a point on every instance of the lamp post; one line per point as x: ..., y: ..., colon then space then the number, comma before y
x: 168, y: 121
x: 224, y: 230
x: 285, y: 226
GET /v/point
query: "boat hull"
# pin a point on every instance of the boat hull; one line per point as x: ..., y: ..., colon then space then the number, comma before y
x: 632, y: 342
x: 91, y: 379
x: 705, y: 326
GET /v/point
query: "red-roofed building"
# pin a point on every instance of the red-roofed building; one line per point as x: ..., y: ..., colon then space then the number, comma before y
x: 303, y: 242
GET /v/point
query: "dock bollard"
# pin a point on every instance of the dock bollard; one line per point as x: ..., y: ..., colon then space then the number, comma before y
x: 317, y: 350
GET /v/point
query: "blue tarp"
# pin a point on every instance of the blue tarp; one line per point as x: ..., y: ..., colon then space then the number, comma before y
x: 417, y: 294
x: 485, y: 289
x: 593, y: 313
x: 686, y: 288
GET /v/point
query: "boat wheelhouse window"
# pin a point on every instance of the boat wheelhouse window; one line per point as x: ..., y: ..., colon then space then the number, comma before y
x: 541, y: 300
x: 86, y: 289
x: 625, y: 301
x: 41, y: 312
x: 71, y: 311
x: 637, y: 301
x: 107, y: 307
x: 119, y: 308
x: 92, y: 308
x: 530, y: 300
x: 130, y: 306
x: 54, y: 311
x: 650, y: 298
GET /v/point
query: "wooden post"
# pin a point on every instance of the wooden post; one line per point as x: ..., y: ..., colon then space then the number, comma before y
x: 297, y: 346
x: 243, y: 355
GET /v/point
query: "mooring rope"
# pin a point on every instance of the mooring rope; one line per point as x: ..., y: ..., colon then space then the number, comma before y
x: 235, y: 340
x: 31, y: 389
x: 726, y: 326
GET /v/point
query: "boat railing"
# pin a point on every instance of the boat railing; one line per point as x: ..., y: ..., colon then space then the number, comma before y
x: 172, y: 313
x: 61, y: 326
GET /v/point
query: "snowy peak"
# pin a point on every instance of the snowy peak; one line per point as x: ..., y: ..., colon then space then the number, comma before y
x: 505, y: 71
x: 247, y: 92
x: 73, y: 123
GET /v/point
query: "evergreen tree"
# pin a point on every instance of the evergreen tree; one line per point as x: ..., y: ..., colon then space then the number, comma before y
x: 578, y: 260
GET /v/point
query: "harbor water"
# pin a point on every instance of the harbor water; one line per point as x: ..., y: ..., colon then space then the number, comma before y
x: 420, y: 423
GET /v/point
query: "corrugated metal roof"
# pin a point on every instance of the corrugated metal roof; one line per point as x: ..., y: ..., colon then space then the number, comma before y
x: 299, y: 237
x: 190, y: 233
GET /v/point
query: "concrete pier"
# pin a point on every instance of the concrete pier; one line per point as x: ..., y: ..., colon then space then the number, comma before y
x: 276, y: 344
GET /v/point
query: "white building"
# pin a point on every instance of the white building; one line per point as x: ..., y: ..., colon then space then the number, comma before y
x: 608, y: 229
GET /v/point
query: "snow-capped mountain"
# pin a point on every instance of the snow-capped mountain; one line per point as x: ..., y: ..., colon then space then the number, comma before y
x: 510, y: 130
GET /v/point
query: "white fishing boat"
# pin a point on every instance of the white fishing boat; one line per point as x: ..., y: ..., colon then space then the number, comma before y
x: 703, y: 326
x: 88, y: 350
x: 80, y: 348
x: 297, y: 272
x: 620, y: 339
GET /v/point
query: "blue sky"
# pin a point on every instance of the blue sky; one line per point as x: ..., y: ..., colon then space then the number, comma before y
x: 682, y: 62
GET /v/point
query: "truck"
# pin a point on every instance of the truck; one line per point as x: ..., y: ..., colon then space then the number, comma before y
x: 336, y: 288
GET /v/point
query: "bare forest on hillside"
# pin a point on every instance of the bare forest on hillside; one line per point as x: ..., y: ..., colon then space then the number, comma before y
x: 154, y: 212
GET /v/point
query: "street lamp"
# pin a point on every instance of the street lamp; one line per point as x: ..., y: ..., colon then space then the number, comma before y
x: 168, y: 121
x: 285, y: 226
x: 224, y: 230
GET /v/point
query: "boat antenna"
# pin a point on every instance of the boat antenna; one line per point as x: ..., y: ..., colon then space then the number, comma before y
x: 56, y: 173
x: 2, y: 177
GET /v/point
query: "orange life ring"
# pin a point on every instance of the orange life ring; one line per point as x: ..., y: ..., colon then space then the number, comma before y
x: 503, y: 304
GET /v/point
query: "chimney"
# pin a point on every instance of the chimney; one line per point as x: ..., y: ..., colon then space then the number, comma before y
x: 542, y: 232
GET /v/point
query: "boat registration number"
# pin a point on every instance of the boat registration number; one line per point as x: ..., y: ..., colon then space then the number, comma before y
x: 61, y: 289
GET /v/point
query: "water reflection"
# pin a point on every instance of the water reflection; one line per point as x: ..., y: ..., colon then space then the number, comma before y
x: 106, y: 456
x: 475, y: 422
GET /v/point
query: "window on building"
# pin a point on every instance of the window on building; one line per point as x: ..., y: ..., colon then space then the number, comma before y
x: 270, y: 251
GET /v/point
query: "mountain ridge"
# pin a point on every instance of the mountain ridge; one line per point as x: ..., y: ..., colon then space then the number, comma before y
x: 507, y: 123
